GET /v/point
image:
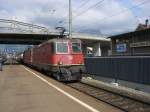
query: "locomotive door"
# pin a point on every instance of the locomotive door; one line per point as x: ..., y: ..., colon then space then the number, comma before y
x: 31, y: 59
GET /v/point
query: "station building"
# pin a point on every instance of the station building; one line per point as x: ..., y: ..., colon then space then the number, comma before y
x: 132, y: 43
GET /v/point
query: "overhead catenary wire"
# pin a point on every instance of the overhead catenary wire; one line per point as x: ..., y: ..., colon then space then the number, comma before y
x: 135, y: 16
x: 135, y: 6
x: 80, y: 6
x: 89, y: 8
x: 93, y: 6
x: 121, y: 12
x: 83, y: 4
x: 115, y: 14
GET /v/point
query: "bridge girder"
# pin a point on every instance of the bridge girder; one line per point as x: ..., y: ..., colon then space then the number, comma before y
x: 16, y: 32
x: 30, y: 39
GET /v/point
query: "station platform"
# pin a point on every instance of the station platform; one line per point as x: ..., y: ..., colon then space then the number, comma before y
x: 25, y: 90
x: 116, y: 88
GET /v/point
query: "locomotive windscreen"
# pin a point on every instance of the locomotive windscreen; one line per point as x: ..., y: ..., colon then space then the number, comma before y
x: 76, y: 47
x: 62, y: 47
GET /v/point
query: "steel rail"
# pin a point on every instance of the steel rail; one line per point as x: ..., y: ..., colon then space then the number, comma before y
x: 119, y: 101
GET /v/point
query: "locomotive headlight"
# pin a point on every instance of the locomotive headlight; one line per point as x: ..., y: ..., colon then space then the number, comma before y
x: 79, y: 62
x: 60, y: 63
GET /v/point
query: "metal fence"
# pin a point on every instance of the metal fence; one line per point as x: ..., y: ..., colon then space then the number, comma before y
x: 134, y: 69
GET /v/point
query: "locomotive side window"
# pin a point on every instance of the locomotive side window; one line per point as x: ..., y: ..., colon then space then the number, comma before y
x: 76, y: 47
x: 62, y: 47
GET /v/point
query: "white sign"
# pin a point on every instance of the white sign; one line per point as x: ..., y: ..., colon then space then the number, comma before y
x: 121, y: 47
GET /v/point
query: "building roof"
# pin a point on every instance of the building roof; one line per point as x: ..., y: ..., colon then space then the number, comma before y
x: 142, y: 27
x: 130, y: 34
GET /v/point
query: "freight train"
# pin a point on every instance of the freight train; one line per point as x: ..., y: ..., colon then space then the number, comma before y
x: 61, y: 57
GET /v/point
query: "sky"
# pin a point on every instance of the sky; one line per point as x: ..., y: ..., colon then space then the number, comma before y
x: 97, y: 17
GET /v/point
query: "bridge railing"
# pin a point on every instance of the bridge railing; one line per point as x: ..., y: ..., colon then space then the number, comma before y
x: 13, y: 26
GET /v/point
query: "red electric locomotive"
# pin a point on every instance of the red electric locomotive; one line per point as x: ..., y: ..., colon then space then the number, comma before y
x: 61, y: 57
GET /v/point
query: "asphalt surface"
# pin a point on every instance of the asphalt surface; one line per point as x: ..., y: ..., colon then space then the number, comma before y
x: 23, y: 91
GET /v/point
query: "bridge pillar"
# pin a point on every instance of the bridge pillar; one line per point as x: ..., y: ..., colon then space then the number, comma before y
x: 84, y: 50
x: 97, y: 49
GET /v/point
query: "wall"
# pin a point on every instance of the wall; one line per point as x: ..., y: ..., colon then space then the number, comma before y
x: 128, y: 68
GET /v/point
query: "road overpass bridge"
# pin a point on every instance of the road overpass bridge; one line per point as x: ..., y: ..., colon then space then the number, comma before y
x: 15, y: 32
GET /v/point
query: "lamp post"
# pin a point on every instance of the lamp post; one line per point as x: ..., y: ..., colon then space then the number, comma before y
x: 70, y: 19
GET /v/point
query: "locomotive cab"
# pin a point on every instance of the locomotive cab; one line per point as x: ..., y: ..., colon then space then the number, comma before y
x: 68, y: 59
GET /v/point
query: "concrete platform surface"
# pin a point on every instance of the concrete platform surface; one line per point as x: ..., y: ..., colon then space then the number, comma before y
x: 25, y: 90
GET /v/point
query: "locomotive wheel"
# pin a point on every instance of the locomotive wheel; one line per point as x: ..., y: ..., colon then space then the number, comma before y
x: 58, y: 77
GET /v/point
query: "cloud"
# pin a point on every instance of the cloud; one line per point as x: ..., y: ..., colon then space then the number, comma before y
x: 108, y: 19
x: 49, y: 13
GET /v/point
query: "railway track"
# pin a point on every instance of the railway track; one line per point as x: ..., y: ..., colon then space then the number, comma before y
x: 122, y: 102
